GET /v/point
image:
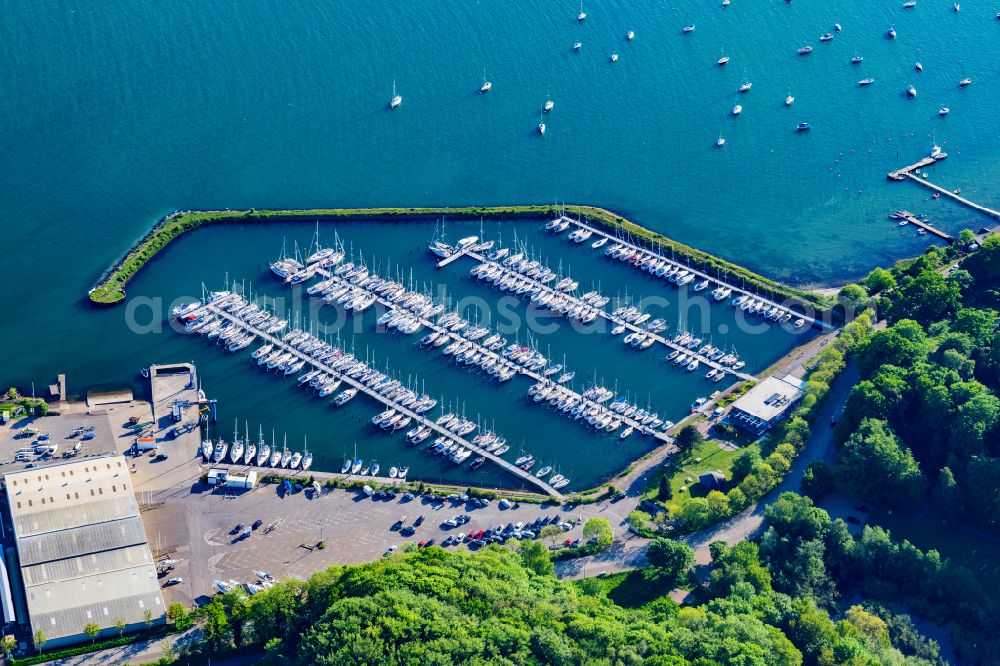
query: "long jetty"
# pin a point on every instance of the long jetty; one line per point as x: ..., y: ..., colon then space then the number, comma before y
x: 920, y: 224
x: 378, y: 397
x: 912, y: 172
x: 737, y: 291
x: 955, y: 197
x: 618, y: 321
x: 520, y: 369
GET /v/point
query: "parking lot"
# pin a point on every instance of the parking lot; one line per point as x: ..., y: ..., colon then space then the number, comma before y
x: 197, y: 527
x: 195, y: 524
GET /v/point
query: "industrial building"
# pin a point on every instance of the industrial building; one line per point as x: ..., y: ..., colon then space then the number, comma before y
x: 82, y: 550
x: 760, y: 408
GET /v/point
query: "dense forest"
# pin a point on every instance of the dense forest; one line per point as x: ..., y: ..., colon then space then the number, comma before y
x: 924, y: 422
x: 504, y: 606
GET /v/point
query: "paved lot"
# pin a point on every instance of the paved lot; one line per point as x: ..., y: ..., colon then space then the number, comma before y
x: 195, y: 525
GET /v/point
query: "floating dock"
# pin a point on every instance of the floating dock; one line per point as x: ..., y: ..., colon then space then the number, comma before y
x: 521, y: 370
x: 920, y: 224
x: 901, y: 174
x: 417, y: 419
x: 737, y: 291
x: 615, y: 320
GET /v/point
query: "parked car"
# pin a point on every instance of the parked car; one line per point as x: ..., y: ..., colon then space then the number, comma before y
x: 389, y: 551
x: 419, y: 521
x: 173, y: 581
x: 257, y: 523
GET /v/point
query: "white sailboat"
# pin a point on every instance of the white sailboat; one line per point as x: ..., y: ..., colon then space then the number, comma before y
x: 396, y: 99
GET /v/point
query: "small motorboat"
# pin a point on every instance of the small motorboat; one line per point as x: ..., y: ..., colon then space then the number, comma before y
x: 891, y: 34
x: 746, y: 86
x: 630, y: 35
x: 614, y: 57
x: 956, y: 7
x: 837, y: 27
x: 919, y: 67
x: 802, y: 127
x: 909, y: 4
x: 866, y: 82
x: 689, y: 28
x: 826, y: 36
x: 720, y: 142
x: 911, y: 91
x: 805, y: 50
x: 577, y: 46
x: 944, y: 111
x: 737, y: 110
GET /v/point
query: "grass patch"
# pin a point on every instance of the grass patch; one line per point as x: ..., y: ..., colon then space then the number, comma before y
x: 629, y: 589
x: 712, y: 458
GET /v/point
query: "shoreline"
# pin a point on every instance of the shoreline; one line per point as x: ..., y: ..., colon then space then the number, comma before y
x: 110, y: 288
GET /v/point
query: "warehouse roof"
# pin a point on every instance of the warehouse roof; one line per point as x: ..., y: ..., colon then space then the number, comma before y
x: 82, y: 547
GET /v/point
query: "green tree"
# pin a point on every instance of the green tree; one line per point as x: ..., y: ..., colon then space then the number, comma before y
x: 147, y: 617
x: 176, y: 614
x: 874, y: 464
x: 687, y: 439
x: 536, y: 557
x: 926, y: 299
x: 639, y: 521
x: 599, y: 531
x: 671, y: 559
x: 745, y: 462
x: 39, y: 639
x: 946, y: 498
x: 550, y: 533
x: 817, y: 480
x: 7, y: 645
x: 120, y: 626
x: 966, y: 237
x: 880, y: 280
x: 91, y: 630
x: 664, y: 491
x: 854, y: 298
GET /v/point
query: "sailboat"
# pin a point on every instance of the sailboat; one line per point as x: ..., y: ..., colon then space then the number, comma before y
x: 263, y: 453
x: 582, y: 15
x: 487, y: 85
x: 541, y: 126
x: 251, y: 451
x: 789, y: 100
x: 396, y: 99
x: 548, y: 102
x: 723, y: 59
x: 720, y: 142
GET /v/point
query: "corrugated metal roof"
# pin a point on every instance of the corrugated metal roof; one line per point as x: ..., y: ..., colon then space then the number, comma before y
x: 86, y: 565
x: 82, y: 546
x: 96, y: 538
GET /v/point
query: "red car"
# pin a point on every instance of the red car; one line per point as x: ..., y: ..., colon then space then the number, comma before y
x: 421, y: 544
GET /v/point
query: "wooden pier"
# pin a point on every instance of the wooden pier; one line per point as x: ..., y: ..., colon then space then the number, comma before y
x: 901, y: 174
x: 615, y: 320
x: 704, y: 276
x: 920, y: 224
x: 417, y: 419
x: 520, y: 369
x: 955, y: 197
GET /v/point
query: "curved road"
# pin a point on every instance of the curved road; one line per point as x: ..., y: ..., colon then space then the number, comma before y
x: 630, y: 554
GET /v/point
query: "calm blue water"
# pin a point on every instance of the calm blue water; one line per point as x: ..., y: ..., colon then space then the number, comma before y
x: 116, y: 113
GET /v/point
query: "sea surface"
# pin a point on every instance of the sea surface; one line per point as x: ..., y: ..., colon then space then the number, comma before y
x: 115, y: 114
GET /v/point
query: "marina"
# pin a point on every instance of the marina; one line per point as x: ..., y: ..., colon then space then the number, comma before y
x: 215, y: 307
x: 409, y: 312
x: 541, y: 288
x: 650, y: 254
